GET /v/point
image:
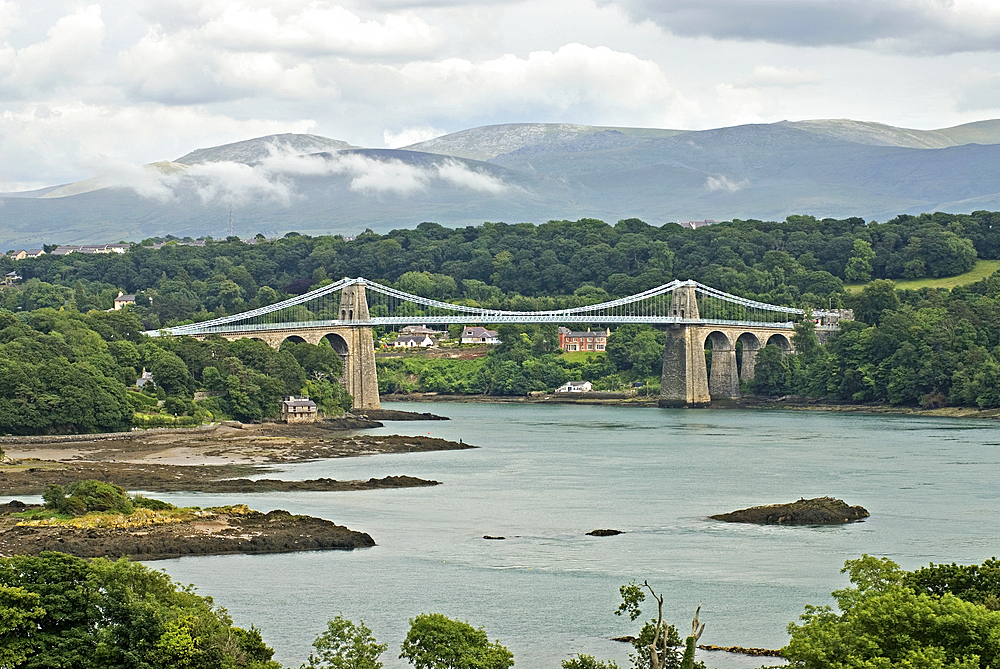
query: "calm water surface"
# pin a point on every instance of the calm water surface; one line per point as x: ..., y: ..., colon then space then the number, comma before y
x: 545, y: 475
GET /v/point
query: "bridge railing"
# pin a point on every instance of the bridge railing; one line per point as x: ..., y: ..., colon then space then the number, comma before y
x: 391, y: 307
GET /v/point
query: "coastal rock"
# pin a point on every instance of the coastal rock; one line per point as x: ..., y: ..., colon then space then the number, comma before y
x: 604, y: 533
x: 816, y: 511
x: 212, y: 533
x: 395, y: 414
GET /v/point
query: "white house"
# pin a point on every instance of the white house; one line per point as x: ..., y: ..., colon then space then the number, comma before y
x: 575, y: 387
x: 413, y: 341
x: 479, y: 335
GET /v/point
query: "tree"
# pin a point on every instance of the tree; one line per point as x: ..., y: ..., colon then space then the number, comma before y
x: 770, y: 377
x: 19, y: 616
x: 859, y: 267
x: 115, y: 615
x: 438, y: 642
x: 656, y: 645
x: 876, y: 298
x: 345, y: 645
x: 884, y: 623
x: 587, y: 662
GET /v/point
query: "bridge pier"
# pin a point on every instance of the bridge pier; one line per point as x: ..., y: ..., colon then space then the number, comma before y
x: 725, y: 380
x: 684, y: 382
x: 360, y: 378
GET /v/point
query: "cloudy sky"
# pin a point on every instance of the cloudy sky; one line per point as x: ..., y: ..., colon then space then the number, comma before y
x: 84, y: 85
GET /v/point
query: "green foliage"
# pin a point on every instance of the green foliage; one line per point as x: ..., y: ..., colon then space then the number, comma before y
x: 885, y: 623
x: 19, y: 616
x: 587, y: 662
x: 345, y: 645
x: 115, y: 615
x: 859, y: 267
x: 438, y: 642
x: 770, y: 372
x: 87, y: 496
x: 979, y: 584
x: 142, y: 502
x: 656, y: 635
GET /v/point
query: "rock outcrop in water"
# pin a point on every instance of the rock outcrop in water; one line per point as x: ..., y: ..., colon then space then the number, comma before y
x: 221, y: 531
x: 816, y: 511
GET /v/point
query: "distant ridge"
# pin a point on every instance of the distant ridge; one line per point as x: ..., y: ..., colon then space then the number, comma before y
x: 532, y: 172
x: 254, y: 150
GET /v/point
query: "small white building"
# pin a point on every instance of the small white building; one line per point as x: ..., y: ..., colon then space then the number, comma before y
x: 413, y: 341
x: 575, y: 387
x: 479, y: 335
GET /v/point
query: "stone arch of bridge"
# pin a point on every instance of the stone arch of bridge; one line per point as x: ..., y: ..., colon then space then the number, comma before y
x: 723, y: 375
x: 749, y: 344
x: 779, y: 340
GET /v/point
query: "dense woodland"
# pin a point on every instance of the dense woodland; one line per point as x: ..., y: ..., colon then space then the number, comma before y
x: 928, y: 347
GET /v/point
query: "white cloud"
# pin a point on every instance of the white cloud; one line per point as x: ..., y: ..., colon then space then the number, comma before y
x: 8, y: 17
x: 318, y: 27
x: 61, y: 141
x: 72, y: 44
x: 174, y: 69
x: 273, y: 178
x: 458, y: 174
x: 784, y: 77
x: 408, y: 136
x: 980, y: 90
x: 724, y: 183
x: 922, y: 26
x: 601, y: 82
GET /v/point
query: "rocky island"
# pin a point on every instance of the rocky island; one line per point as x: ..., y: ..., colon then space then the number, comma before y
x: 169, y: 533
x: 816, y: 511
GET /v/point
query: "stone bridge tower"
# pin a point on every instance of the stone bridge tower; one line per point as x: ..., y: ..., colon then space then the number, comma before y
x: 684, y: 382
x: 359, y: 378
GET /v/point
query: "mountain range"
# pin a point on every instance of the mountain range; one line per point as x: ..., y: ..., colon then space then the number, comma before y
x: 530, y: 172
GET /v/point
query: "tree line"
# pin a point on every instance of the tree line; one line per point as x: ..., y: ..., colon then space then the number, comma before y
x: 62, y: 611
x: 65, y: 371
x: 520, y: 266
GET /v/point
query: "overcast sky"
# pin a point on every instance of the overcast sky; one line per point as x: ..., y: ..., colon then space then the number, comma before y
x: 85, y: 85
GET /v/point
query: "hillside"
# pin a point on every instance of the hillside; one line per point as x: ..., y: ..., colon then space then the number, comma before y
x: 524, y: 172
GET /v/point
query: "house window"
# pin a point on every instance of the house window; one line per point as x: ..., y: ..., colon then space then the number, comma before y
x: 590, y: 347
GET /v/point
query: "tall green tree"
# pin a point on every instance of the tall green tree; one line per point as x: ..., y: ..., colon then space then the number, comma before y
x: 884, y: 623
x: 438, y: 642
x: 345, y: 645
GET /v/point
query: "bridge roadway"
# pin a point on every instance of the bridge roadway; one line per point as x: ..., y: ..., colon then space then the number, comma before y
x: 685, y: 380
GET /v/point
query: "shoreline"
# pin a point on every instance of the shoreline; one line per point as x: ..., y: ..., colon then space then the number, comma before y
x: 220, y: 458
x: 745, y: 403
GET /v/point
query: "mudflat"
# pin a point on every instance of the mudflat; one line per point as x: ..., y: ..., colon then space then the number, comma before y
x: 216, y: 458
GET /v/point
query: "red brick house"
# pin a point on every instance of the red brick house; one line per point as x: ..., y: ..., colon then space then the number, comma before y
x: 591, y: 340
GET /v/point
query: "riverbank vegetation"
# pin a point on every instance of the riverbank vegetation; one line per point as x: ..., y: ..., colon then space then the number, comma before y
x: 62, y: 371
x: 68, y: 364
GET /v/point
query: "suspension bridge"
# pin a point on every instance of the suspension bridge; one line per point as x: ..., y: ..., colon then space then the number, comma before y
x: 693, y: 316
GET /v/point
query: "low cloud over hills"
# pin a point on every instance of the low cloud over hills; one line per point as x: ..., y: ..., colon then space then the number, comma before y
x: 522, y: 172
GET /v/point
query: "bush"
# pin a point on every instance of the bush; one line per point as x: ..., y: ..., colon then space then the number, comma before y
x: 151, y: 504
x: 87, y: 496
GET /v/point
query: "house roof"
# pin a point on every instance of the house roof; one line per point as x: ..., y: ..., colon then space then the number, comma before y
x: 477, y: 331
x: 413, y: 338
x: 298, y: 403
x: 125, y: 298
x: 589, y: 333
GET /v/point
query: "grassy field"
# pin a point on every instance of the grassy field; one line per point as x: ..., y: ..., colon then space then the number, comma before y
x: 983, y: 269
x: 580, y: 356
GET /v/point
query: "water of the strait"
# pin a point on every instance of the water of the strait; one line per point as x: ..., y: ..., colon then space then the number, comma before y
x: 544, y: 475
